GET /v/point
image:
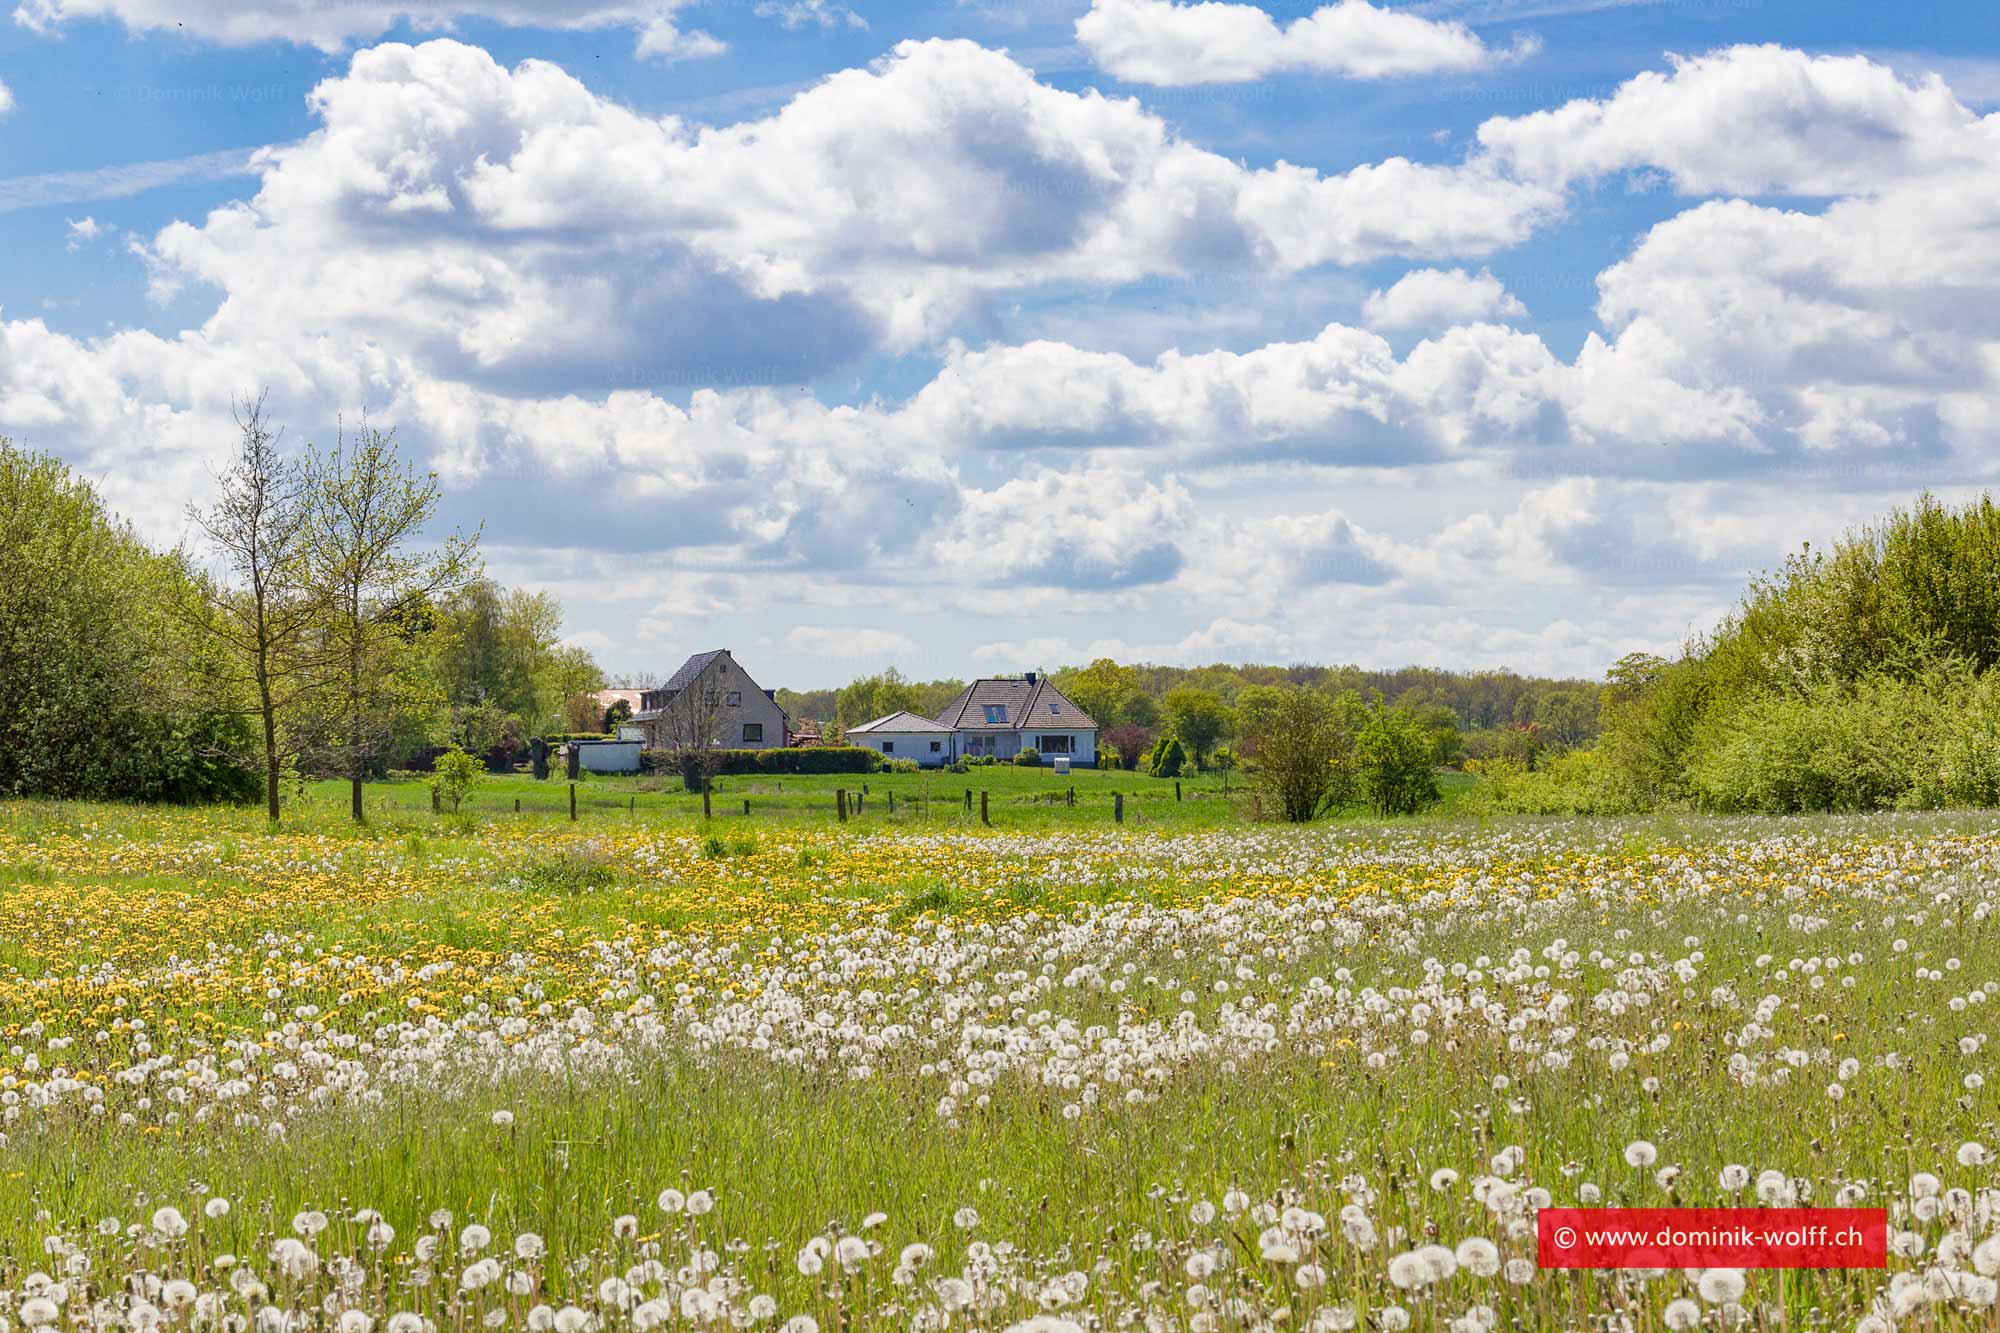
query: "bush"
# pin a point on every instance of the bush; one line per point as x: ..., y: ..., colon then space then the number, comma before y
x: 1831, y: 749
x: 453, y: 776
x: 1028, y: 758
x: 1580, y: 782
x: 901, y: 766
x: 774, y: 762
x: 1169, y: 759
x: 1393, y: 755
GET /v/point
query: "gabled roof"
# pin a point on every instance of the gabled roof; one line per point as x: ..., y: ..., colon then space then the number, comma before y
x: 900, y: 722
x: 1026, y: 703
x: 691, y: 669
x: 606, y: 698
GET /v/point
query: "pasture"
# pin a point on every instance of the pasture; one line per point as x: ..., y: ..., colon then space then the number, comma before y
x: 493, y: 1070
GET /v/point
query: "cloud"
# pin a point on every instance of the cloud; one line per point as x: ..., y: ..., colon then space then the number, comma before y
x: 1433, y: 298
x: 6, y: 99
x: 847, y: 642
x: 331, y: 25
x: 118, y: 182
x: 1097, y: 528
x: 1756, y: 120
x: 1166, y: 44
x: 82, y: 231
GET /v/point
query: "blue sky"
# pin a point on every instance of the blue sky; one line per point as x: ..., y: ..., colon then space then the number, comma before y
x: 1001, y: 334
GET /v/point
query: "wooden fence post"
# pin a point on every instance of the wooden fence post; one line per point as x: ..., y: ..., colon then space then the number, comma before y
x: 631, y: 805
x: 982, y: 811
x: 1177, y: 789
x: 1072, y: 798
x: 968, y: 800
x: 572, y: 802
x: 840, y: 803
x: 1117, y: 807
x: 706, y: 811
x: 746, y: 805
x: 437, y: 804
x: 892, y: 803
x: 517, y: 805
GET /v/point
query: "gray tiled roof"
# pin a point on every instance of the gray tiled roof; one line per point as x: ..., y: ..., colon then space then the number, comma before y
x: 1027, y: 704
x: 900, y: 722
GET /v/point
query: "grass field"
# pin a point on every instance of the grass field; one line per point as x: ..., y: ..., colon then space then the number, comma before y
x: 1186, y: 1073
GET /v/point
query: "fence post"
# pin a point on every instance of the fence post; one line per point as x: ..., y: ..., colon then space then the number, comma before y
x: 864, y: 789
x: 968, y: 800
x: 892, y: 803
x: 706, y: 812
x: 1072, y: 798
x: 517, y: 805
x: 840, y: 803
x: 746, y: 805
x: 572, y: 802
x: 1117, y: 807
x: 982, y: 811
x: 1177, y: 789
x: 631, y: 805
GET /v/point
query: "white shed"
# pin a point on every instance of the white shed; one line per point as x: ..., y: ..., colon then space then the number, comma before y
x: 905, y: 736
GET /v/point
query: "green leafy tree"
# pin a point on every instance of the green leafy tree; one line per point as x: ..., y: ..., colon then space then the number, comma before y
x: 453, y: 776
x: 1103, y: 689
x: 1198, y: 718
x: 1302, y: 744
x: 368, y: 511
x: 1393, y: 761
x: 869, y: 697
x: 104, y: 690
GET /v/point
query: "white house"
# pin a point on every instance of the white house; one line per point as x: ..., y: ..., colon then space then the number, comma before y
x: 906, y: 736
x: 1004, y: 715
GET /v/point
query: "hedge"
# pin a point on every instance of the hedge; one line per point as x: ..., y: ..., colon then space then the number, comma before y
x: 797, y: 759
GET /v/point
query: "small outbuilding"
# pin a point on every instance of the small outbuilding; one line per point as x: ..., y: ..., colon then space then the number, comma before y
x: 905, y: 735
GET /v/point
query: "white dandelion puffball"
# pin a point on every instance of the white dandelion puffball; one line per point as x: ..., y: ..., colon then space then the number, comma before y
x: 1641, y: 1154
x: 1721, y: 1286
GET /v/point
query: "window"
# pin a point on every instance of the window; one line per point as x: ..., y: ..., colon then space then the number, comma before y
x: 1052, y: 744
x: 996, y: 714
x: 1053, y: 710
x: 753, y: 731
x: 937, y: 747
x: 888, y: 747
x: 735, y: 699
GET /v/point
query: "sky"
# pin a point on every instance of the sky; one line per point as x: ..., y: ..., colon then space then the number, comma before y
x: 981, y: 336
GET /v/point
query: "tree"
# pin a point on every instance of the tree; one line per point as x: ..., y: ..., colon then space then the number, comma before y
x: 868, y: 697
x: 1197, y: 717
x: 367, y: 509
x: 1101, y: 689
x: 691, y: 725
x: 1567, y: 718
x: 259, y: 612
x: 104, y: 691
x: 1169, y: 758
x: 1129, y: 743
x: 1393, y: 758
x: 1303, y: 745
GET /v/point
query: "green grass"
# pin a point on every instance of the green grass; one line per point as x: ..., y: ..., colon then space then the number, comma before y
x: 1253, y: 973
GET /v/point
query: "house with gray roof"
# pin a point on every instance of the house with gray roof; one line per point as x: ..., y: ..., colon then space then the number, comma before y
x: 904, y: 735
x: 711, y: 702
x: 1001, y: 716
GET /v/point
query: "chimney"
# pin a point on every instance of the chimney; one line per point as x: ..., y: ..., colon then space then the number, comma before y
x: 1031, y: 678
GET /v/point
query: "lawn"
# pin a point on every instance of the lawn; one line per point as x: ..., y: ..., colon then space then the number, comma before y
x: 908, y: 1071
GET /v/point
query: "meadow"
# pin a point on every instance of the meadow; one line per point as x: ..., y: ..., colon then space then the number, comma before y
x: 496, y: 1070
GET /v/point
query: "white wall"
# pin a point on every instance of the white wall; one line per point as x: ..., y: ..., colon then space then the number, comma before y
x: 907, y: 745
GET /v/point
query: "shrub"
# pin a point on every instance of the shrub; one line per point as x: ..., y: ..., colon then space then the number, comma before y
x: 1169, y: 759
x: 1830, y: 749
x: 773, y: 762
x: 1579, y: 782
x: 1028, y: 758
x: 454, y: 773
x: 1393, y: 755
x: 901, y: 766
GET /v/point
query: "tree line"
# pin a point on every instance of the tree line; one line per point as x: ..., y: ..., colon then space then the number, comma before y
x: 312, y: 625
x: 1862, y: 677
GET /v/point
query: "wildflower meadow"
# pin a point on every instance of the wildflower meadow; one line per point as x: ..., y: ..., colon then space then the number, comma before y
x: 494, y: 1075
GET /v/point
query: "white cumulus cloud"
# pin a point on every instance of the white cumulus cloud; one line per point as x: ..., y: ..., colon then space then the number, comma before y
x: 1163, y: 43
x: 1434, y: 298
